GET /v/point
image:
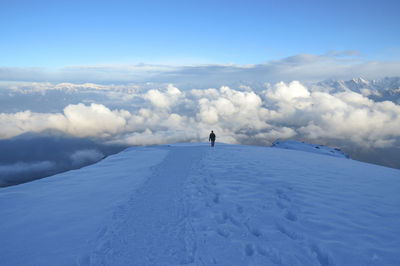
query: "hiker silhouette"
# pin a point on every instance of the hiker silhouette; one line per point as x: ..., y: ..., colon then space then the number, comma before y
x: 212, y: 138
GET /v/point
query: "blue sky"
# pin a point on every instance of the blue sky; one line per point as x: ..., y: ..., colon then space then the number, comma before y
x: 54, y: 34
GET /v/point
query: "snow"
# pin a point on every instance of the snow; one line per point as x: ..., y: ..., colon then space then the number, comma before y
x: 49, y: 221
x: 385, y: 89
x: 308, y: 147
x: 195, y: 205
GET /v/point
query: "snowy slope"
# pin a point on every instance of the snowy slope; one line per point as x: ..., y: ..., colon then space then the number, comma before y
x: 308, y: 147
x: 193, y: 205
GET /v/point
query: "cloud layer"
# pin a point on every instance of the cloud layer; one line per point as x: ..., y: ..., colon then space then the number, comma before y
x: 32, y: 156
x: 243, y: 115
x: 304, y: 67
x: 244, y: 104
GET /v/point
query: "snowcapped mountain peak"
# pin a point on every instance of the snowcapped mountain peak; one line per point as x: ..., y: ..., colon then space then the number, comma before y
x: 196, y: 205
x: 385, y: 89
x: 361, y: 80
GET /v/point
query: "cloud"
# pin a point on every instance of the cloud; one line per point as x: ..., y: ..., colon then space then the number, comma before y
x: 345, y: 53
x: 21, y: 122
x: 23, y: 171
x: 242, y: 115
x: 248, y: 104
x: 303, y: 67
x: 84, y: 157
x: 22, y: 167
x: 94, y: 120
x: 163, y: 100
x: 77, y: 120
x: 32, y: 156
x: 288, y: 93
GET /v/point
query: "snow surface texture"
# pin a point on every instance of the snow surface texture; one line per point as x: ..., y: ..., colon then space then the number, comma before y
x: 193, y: 205
x: 302, y: 146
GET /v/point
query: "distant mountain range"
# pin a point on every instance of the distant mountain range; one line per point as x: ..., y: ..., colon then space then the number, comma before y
x: 385, y: 89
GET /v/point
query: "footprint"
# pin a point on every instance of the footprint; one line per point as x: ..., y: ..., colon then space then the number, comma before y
x: 291, y: 216
x: 272, y: 254
x: 256, y: 232
x: 216, y: 198
x: 223, y: 232
x: 234, y: 221
x: 280, y: 204
x: 322, y: 256
x: 261, y: 251
x: 221, y: 219
x: 249, y: 250
x: 282, y: 195
x: 239, y: 209
x: 291, y: 234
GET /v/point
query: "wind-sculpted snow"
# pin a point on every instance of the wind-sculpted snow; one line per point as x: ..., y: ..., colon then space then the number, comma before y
x: 189, y: 204
x: 50, y: 221
x: 307, y: 147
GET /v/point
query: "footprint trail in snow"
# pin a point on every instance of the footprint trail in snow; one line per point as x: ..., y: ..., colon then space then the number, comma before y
x: 188, y: 204
x: 237, y: 205
x: 153, y: 227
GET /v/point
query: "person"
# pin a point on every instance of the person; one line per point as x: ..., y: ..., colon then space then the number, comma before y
x: 212, y: 138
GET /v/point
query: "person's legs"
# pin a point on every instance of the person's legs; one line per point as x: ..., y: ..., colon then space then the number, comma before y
x: 212, y: 143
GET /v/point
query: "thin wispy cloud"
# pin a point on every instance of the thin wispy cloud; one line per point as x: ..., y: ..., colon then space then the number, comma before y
x: 306, y: 67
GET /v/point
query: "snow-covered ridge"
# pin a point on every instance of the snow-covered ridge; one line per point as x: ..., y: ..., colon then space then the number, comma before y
x: 195, y: 205
x: 308, y: 147
x: 385, y: 89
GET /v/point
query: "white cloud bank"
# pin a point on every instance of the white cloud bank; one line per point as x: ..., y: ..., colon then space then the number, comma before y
x: 77, y: 120
x: 236, y: 115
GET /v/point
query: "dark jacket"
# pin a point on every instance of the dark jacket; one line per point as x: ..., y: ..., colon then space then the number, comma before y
x: 212, y: 137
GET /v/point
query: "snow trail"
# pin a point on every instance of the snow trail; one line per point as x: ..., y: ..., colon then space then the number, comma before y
x: 152, y: 228
x: 260, y: 206
x: 235, y: 211
x: 189, y: 204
